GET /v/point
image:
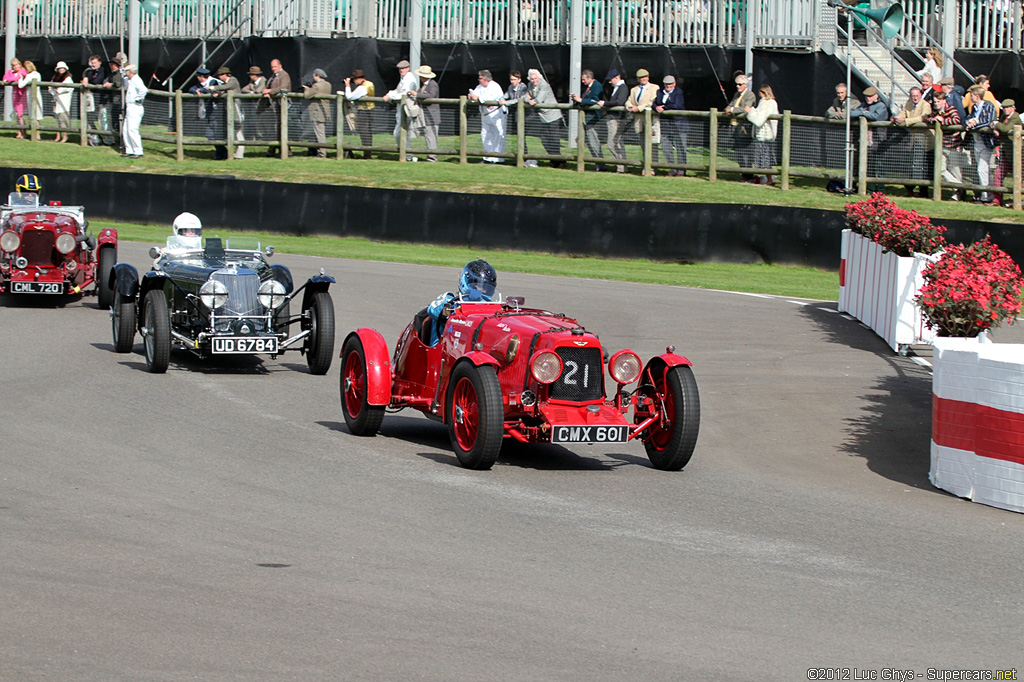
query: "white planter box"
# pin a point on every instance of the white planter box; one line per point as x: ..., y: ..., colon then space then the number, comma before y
x: 977, y: 447
x: 879, y: 289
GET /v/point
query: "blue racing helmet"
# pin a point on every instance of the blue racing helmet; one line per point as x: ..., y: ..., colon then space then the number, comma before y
x: 27, y: 183
x: 477, y: 281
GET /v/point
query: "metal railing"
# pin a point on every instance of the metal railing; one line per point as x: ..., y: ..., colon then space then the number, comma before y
x: 706, y: 143
x: 982, y: 24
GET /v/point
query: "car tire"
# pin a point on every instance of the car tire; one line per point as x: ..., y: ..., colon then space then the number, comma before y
x: 157, y: 338
x: 123, y: 320
x: 670, y: 443
x: 362, y: 418
x: 474, y: 414
x: 104, y: 290
x: 320, y: 342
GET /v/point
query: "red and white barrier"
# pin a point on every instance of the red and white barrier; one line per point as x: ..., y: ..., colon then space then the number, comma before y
x: 879, y: 289
x: 977, y: 448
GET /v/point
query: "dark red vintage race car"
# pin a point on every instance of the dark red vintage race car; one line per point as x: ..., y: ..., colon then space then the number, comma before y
x: 48, y: 250
x: 504, y: 371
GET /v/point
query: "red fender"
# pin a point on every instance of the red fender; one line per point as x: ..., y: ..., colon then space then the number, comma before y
x: 378, y: 365
x: 673, y: 360
x: 107, y: 235
x: 479, y: 358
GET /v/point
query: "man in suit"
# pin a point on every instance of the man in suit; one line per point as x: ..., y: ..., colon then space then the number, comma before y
x: 252, y: 119
x: 229, y: 83
x: 550, y: 119
x: 742, y: 133
x: 592, y: 91
x: 278, y: 84
x: 673, y: 128
x: 616, y: 120
x: 641, y: 99
x: 319, y: 109
x: 431, y: 112
x: 212, y: 111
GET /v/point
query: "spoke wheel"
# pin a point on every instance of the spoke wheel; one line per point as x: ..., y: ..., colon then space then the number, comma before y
x: 157, y: 339
x: 476, y: 420
x: 671, y: 440
x: 123, y: 319
x: 104, y: 290
x: 362, y: 418
x: 320, y: 342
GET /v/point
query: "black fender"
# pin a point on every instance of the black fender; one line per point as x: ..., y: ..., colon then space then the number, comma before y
x: 283, y: 275
x: 154, y: 279
x: 124, y: 279
x: 316, y: 283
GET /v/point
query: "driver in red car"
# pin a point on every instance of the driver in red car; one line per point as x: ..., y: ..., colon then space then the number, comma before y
x: 477, y: 284
x: 26, y: 191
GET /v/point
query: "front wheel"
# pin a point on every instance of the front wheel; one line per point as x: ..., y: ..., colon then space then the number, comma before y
x: 671, y: 440
x: 157, y: 333
x: 362, y: 418
x: 320, y: 342
x: 104, y: 290
x: 476, y: 420
x: 123, y: 318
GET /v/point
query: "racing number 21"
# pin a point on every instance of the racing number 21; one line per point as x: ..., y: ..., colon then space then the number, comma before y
x: 572, y: 369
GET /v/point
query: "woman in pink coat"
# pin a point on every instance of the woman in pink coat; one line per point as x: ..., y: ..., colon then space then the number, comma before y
x: 11, y: 77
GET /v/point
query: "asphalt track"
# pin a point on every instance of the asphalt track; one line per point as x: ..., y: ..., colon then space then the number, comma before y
x: 220, y: 523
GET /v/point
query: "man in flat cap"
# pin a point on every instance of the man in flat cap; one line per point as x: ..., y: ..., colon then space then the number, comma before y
x: 1008, y: 120
x: 229, y: 83
x: 114, y: 83
x: 211, y: 111
x: 615, y: 121
x: 279, y: 84
x: 873, y: 109
x: 673, y: 128
x: 641, y: 99
x: 358, y: 111
x: 319, y: 109
x: 254, y: 126
x: 406, y: 83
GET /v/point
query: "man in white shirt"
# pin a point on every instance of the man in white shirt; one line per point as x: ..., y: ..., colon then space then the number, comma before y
x: 407, y: 81
x: 135, y: 97
x: 492, y: 116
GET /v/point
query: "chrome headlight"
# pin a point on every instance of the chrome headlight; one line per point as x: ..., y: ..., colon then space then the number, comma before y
x: 546, y: 366
x: 272, y: 294
x: 65, y: 243
x: 10, y: 241
x: 625, y: 366
x: 213, y: 294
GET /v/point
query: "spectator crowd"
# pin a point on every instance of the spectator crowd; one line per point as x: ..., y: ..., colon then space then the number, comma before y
x: 976, y: 140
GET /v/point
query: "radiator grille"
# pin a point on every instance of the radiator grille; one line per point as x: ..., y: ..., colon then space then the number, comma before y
x: 38, y: 247
x: 581, y: 378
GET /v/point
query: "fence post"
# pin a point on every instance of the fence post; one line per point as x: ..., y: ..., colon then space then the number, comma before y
x: 520, y: 132
x: 83, y: 121
x: 339, y: 115
x: 463, y: 127
x: 230, y: 132
x: 787, y: 131
x: 285, y: 150
x: 937, y: 164
x: 713, y: 145
x: 647, y: 143
x: 34, y: 116
x: 581, y: 133
x: 179, y: 134
x: 1016, y: 169
x: 862, y: 155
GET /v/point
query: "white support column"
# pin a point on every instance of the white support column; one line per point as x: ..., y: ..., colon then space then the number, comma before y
x: 575, y: 65
x: 415, y: 33
x: 134, y: 19
x: 950, y: 10
x: 11, y: 17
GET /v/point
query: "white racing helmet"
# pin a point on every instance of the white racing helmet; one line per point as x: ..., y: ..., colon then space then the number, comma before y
x: 188, y: 231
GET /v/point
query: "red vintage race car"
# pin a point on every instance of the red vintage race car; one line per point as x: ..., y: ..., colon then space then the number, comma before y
x: 504, y: 371
x: 48, y: 250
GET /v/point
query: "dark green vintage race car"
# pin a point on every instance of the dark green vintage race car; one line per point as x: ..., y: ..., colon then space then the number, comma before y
x: 222, y: 299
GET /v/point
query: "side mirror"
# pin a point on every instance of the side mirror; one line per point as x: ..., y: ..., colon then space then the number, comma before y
x: 516, y: 301
x: 269, y: 251
x: 154, y: 252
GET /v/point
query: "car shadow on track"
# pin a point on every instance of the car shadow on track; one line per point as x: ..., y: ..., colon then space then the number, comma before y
x: 540, y: 456
x: 42, y: 300
x: 184, y: 361
x: 892, y: 432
